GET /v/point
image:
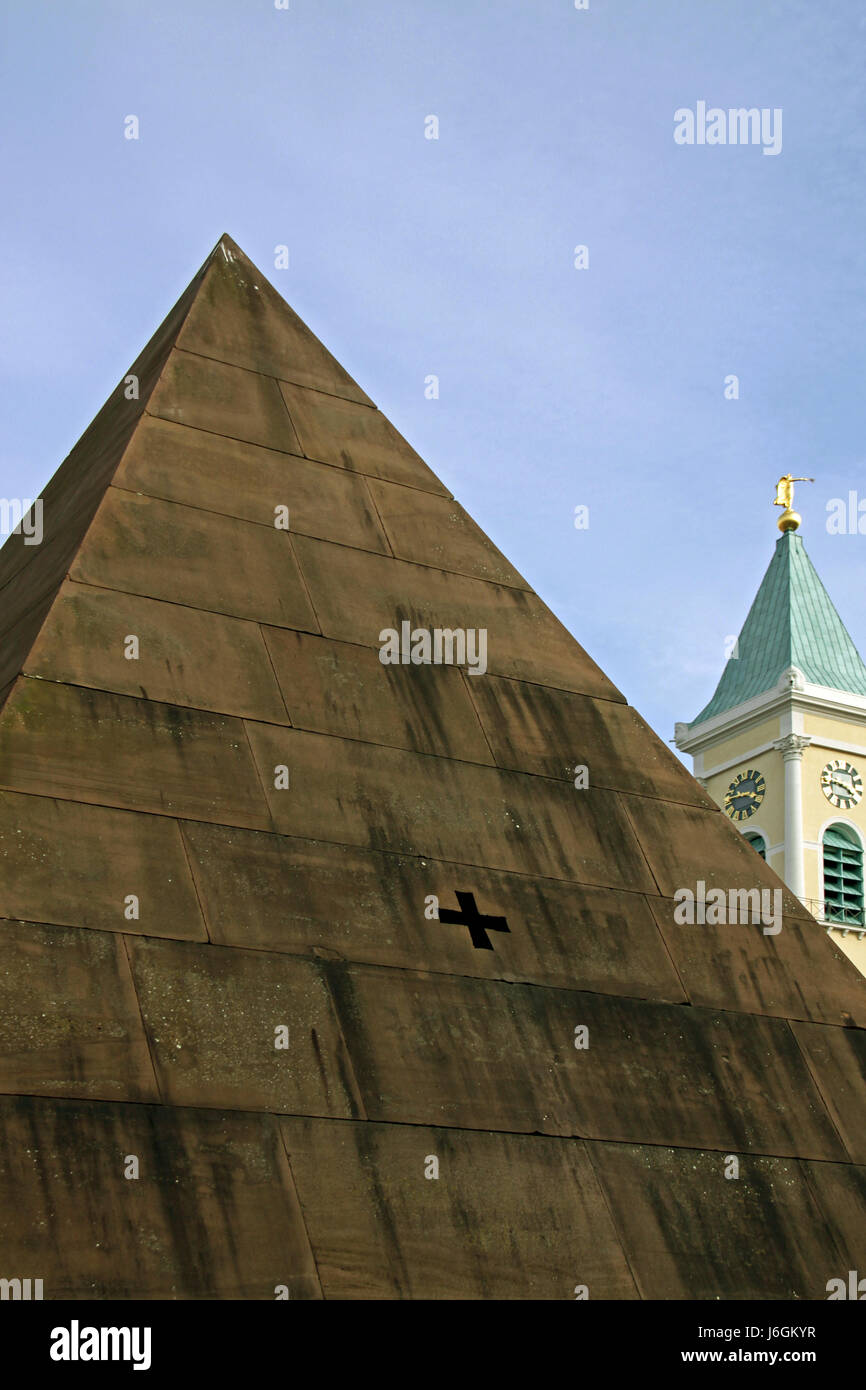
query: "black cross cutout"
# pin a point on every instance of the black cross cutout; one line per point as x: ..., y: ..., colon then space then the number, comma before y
x: 470, y: 917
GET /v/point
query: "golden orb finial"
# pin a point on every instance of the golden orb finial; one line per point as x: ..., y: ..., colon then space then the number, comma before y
x: 789, y: 520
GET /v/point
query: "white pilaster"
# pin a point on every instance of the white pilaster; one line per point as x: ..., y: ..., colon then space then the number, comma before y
x: 791, y: 747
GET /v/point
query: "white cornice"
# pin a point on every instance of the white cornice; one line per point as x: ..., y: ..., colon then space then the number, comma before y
x: 792, y: 693
x: 835, y: 745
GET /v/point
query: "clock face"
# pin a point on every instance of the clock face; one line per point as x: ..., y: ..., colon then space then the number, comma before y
x: 841, y: 784
x: 745, y: 794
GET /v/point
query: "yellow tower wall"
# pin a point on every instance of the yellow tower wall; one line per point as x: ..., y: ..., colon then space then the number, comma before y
x: 738, y: 744
x: 827, y: 731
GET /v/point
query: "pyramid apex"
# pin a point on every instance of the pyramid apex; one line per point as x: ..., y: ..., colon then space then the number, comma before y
x: 228, y: 246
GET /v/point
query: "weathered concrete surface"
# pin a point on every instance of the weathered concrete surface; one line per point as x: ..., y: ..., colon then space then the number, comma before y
x: 225, y: 825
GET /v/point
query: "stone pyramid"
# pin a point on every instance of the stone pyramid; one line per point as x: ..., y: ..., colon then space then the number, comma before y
x: 242, y: 1055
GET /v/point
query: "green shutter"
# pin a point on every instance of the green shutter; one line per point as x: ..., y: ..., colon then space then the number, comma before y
x: 843, y: 878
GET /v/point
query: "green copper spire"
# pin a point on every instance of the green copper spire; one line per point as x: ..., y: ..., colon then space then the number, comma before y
x: 792, y: 622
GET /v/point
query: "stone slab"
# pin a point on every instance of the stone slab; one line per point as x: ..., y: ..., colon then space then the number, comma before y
x: 69, y: 863
x: 837, y: 1061
x: 794, y: 973
x: 112, y: 750
x: 437, y: 531
x: 185, y: 656
x: 239, y: 317
x: 691, y: 1233
x: 69, y: 1019
x: 840, y: 1192
x: 180, y: 464
x: 211, y: 1016
x: 343, y: 689
x: 685, y: 846
x: 226, y: 400
x: 17, y: 640
x: 356, y: 437
x: 437, y: 1049
x: 509, y: 1216
x: 533, y: 728
x: 212, y: 1214
x: 184, y: 555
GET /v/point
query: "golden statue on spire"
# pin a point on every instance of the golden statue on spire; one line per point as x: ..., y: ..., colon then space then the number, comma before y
x: 789, y: 520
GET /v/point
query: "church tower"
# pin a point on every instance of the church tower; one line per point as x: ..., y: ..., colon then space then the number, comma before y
x: 781, y: 746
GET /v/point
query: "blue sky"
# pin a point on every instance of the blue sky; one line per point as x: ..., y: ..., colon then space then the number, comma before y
x: 409, y: 256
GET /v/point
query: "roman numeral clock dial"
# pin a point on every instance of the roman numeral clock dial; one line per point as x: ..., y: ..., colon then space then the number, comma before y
x: 841, y: 784
x: 745, y: 794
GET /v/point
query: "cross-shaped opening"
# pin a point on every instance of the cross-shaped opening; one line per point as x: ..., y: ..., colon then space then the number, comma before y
x: 470, y: 917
